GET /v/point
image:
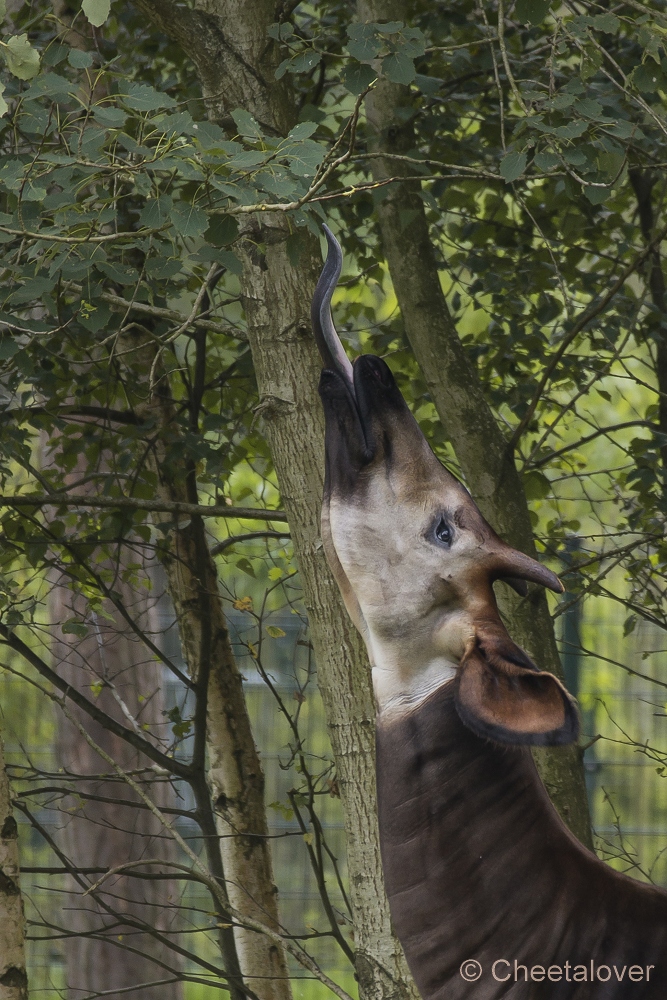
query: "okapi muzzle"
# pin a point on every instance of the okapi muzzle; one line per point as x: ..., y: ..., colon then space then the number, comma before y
x: 415, y: 559
x: 491, y: 896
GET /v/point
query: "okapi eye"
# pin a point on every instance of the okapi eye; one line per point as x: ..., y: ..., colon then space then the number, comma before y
x: 443, y: 532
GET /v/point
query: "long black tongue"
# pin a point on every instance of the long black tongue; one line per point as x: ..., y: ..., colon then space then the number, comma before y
x: 328, y: 342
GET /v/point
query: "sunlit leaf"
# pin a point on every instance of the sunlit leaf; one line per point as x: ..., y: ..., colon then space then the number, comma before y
x: 22, y: 59
x: 97, y: 11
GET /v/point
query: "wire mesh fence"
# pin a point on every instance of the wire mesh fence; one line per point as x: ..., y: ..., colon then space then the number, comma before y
x: 621, y: 682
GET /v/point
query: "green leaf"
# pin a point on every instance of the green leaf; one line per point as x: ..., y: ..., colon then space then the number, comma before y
x: 596, y: 195
x: 245, y: 566
x: 365, y: 42
x: 307, y: 157
x: 156, y: 212
x: 109, y: 116
x: 648, y: 78
x: 180, y: 122
x: 546, y: 161
x: 512, y: 166
x: 429, y: 85
x: 275, y: 632
x: 32, y: 289
x: 222, y: 229
x: 117, y: 272
x: 8, y: 348
x: 4, y: 107
x: 357, y: 77
x: 607, y: 22
x: 51, y: 84
x: 22, y: 59
x: 209, y: 134
x: 141, y: 97
x: 412, y: 42
x: 247, y: 159
x: 588, y: 107
x: 280, y: 31
x: 228, y: 259
x: 624, y: 129
x: 55, y: 53
x: 571, y: 131
x: 188, y: 220
x: 282, y: 68
x: 536, y: 485
x: 305, y: 61
x: 303, y: 130
x: 591, y: 61
x: 96, y: 318
x: 246, y: 124
x: 79, y: 59
x: 388, y: 27
x: 73, y: 627
x: 561, y: 101
x: 97, y: 11
x: 531, y: 11
x: 3, y: 9
x: 399, y: 68
x: 160, y: 267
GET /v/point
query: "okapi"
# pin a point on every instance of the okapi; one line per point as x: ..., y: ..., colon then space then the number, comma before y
x: 490, y: 894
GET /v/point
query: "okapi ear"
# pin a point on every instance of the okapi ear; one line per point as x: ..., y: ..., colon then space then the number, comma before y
x: 501, y: 695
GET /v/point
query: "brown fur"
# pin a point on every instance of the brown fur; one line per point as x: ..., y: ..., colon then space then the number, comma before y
x: 478, y: 865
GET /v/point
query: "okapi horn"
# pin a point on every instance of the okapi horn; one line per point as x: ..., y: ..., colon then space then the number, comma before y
x: 515, y: 566
x: 328, y: 342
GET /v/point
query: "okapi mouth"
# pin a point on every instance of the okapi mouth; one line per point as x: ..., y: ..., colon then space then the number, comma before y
x: 354, y: 409
x: 356, y: 396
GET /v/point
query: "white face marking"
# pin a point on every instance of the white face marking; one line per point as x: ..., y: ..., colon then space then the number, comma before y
x: 398, y: 691
x: 410, y: 614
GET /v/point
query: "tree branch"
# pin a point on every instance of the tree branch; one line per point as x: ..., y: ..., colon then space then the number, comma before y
x: 151, y: 506
x: 589, y: 437
x: 574, y: 332
x: 170, y: 764
x: 248, y: 536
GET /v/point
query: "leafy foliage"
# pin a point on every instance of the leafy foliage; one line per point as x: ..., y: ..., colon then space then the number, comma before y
x: 539, y: 145
x: 121, y: 205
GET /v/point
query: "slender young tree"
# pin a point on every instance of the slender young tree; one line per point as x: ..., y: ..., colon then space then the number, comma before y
x: 13, y: 977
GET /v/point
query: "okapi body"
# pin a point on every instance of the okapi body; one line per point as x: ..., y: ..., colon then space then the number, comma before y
x: 490, y: 894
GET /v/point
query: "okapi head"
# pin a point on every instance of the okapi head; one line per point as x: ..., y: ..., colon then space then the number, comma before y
x: 416, y: 561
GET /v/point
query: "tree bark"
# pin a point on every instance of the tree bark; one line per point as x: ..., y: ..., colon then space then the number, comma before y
x: 642, y: 182
x: 228, y: 43
x: 13, y: 976
x: 277, y: 299
x: 458, y: 396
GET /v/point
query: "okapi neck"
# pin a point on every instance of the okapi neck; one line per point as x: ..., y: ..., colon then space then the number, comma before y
x: 478, y: 865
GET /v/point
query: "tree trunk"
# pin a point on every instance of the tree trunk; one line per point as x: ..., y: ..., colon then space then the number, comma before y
x: 277, y: 299
x: 457, y: 393
x: 228, y: 43
x: 105, y: 834
x: 642, y: 182
x: 13, y: 977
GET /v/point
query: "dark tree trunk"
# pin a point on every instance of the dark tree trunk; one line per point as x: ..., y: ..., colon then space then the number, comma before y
x: 458, y: 396
x: 643, y: 181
